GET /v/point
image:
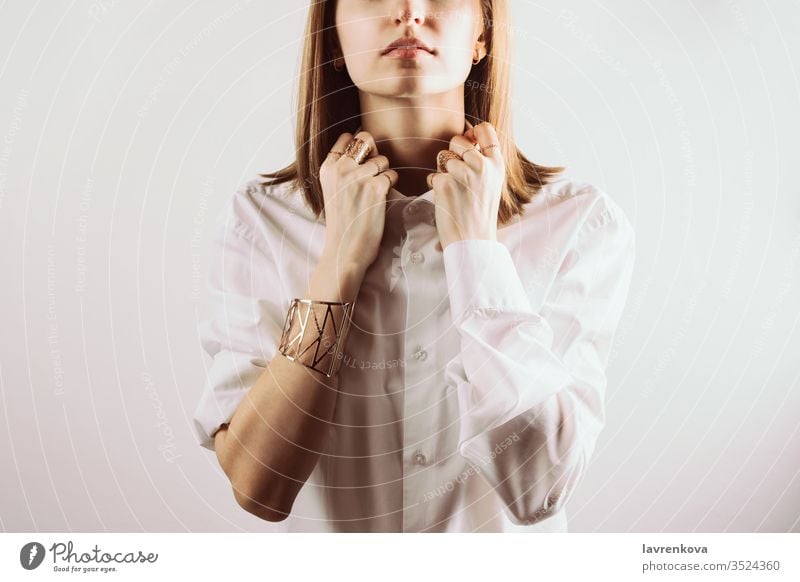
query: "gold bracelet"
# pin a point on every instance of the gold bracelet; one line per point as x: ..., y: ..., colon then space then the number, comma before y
x: 317, y: 317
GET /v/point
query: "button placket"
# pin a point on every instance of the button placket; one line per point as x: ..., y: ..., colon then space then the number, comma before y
x: 419, y: 406
x: 416, y: 237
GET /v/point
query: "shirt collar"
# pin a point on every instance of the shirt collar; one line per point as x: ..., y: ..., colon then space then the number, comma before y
x: 410, y: 210
x: 427, y: 196
x: 395, y: 194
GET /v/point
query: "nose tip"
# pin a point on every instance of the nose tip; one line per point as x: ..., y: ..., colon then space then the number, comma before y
x: 416, y: 15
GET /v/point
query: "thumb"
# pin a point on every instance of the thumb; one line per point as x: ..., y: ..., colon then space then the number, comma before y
x: 470, y: 133
x: 429, y: 179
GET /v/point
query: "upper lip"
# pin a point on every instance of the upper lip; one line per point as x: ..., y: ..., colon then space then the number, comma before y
x: 407, y: 41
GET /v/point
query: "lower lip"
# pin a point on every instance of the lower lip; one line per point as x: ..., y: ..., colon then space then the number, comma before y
x: 407, y: 53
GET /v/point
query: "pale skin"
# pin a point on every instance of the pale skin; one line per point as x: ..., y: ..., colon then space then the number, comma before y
x: 411, y: 110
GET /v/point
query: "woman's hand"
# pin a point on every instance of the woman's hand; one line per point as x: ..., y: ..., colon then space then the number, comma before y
x: 355, y: 203
x: 467, y: 196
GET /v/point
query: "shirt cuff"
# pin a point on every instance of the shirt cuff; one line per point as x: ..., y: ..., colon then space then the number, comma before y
x: 481, y: 275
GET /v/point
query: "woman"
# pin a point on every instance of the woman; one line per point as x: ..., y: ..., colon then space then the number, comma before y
x: 412, y: 320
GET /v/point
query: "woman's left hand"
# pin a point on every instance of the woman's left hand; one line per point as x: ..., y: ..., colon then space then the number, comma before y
x: 467, y: 196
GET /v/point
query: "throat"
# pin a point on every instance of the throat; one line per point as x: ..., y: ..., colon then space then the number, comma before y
x: 412, y: 182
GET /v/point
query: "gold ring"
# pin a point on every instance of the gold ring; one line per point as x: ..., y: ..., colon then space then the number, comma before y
x: 443, y: 156
x: 358, y: 150
x: 476, y: 146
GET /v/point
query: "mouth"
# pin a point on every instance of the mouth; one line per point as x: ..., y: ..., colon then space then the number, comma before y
x: 407, y: 48
x: 407, y: 53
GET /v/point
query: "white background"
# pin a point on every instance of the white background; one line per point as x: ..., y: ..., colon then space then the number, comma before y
x: 125, y: 127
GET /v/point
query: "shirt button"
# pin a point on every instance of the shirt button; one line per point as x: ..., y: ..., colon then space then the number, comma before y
x: 420, y: 458
x: 420, y: 354
x: 411, y: 209
x: 417, y: 257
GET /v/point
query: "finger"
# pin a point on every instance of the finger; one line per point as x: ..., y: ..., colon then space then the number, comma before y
x: 339, y: 146
x: 470, y: 135
x: 461, y: 145
x: 373, y: 166
x: 391, y: 174
x: 469, y: 132
x: 367, y: 137
x: 447, y: 163
x: 487, y: 136
x: 469, y: 151
x: 454, y: 164
x: 431, y: 177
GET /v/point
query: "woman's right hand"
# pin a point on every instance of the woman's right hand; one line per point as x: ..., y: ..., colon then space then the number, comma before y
x: 355, y: 203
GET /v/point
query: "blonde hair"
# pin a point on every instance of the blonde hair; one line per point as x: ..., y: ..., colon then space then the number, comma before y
x: 328, y: 105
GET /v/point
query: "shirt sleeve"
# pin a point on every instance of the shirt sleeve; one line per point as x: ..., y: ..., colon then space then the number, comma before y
x: 246, y: 322
x: 531, y: 385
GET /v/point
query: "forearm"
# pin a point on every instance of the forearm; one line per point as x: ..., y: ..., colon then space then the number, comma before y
x: 274, y: 439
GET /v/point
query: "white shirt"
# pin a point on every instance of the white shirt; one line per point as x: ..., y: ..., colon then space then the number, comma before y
x: 473, y: 380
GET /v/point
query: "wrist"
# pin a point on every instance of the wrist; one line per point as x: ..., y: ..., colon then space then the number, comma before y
x: 447, y: 242
x: 341, y: 265
x: 318, y: 346
x: 334, y: 280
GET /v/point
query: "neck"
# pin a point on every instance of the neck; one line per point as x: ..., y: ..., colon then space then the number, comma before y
x: 410, y: 132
